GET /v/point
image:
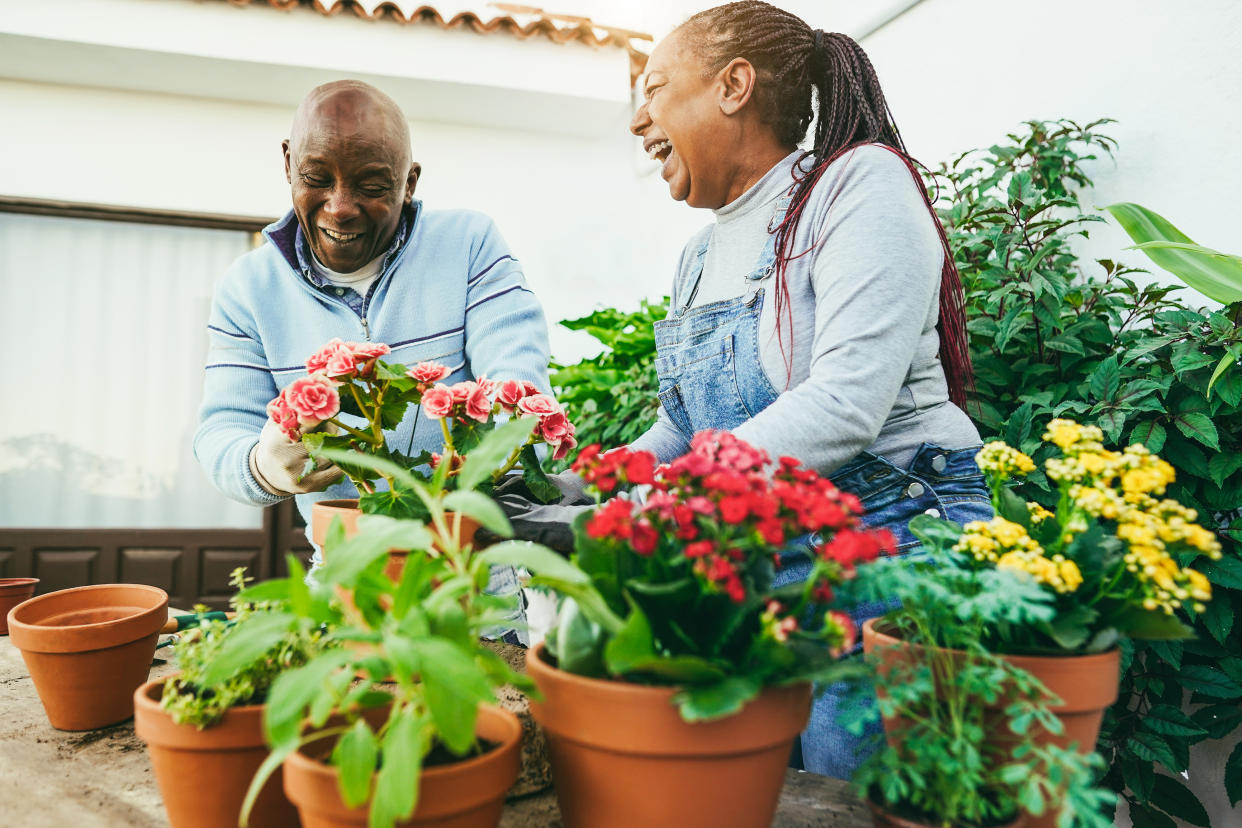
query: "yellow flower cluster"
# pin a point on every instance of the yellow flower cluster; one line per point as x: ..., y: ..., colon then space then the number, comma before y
x: 1123, y: 487
x: 1057, y: 572
x: 987, y: 541
x: 1003, y: 460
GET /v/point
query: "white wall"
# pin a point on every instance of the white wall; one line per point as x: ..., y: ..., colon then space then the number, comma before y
x: 960, y: 74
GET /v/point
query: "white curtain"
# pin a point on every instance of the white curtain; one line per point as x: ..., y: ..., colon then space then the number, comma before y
x: 102, y: 331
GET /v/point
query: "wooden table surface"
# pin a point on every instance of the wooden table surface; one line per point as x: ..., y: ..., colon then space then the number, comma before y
x: 55, y: 779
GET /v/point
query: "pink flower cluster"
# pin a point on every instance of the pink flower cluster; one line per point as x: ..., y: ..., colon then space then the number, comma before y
x: 345, y: 360
x: 473, y: 399
x: 304, y: 404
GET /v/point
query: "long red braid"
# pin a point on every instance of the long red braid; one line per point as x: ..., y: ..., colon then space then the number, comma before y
x: 790, y: 61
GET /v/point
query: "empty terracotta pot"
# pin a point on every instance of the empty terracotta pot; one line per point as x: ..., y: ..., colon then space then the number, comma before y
x: 466, y: 794
x: 623, y: 757
x: 88, y: 649
x: 203, y: 775
x: 12, y: 592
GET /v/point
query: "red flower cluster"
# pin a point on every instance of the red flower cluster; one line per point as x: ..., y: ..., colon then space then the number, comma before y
x: 718, y: 508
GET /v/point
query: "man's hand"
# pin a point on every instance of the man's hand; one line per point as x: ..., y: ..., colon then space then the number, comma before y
x: 277, y: 465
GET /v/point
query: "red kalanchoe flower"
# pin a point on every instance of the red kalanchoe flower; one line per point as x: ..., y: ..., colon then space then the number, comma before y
x: 612, y: 520
x: 643, y: 537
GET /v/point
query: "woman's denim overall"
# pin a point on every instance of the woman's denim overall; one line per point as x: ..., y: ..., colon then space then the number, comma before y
x: 711, y: 376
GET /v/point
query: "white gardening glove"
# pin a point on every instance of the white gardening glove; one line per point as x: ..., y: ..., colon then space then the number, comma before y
x: 277, y: 465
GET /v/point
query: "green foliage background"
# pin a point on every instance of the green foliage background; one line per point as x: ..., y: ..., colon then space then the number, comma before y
x: 1052, y: 335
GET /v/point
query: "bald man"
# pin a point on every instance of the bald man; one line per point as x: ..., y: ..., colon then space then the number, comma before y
x: 357, y: 258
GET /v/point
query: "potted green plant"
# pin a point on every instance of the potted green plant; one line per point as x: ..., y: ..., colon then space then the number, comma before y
x: 1111, y: 561
x: 676, y: 665
x: 204, y: 724
x: 351, y: 395
x: 399, y: 727
x: 962, y: 722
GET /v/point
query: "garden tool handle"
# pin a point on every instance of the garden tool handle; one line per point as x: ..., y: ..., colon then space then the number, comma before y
x: 177, y: 623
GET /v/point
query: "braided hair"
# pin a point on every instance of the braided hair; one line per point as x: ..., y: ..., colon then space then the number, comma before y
x: 791, y: 62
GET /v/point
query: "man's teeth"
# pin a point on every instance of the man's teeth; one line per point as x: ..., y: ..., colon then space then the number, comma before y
x: 657, y: 149
x: 341, y: 237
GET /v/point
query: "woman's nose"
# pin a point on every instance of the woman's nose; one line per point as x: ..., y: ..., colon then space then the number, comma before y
x: 640, y: 121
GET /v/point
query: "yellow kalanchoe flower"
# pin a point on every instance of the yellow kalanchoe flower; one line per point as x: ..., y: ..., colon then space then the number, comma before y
x: 985, y: 541
x: 1057, y: 572
x: 1038, y: 513
x: 1004, y: 460
x: 1073, y: 438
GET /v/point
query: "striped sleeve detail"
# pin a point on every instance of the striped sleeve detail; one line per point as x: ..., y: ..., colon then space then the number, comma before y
x: 427, y: 338
x: 239, y: 365
x: 485, y: 270
x: 496, y: 295
x: 229, y: 333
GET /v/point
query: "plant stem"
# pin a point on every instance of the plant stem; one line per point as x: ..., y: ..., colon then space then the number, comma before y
x: 513, y: 460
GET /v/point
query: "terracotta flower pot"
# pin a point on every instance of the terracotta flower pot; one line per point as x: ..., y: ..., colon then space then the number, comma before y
x: 12, y: 592
x: 324, y: 511
x: 203, y: 775
x: 466, y: 794
x: 88, y: 649
x: 623, y: 757
x: 1087, y: 685
x: 884, y: 818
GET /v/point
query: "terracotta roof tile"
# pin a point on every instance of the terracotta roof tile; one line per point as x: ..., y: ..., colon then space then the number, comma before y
x: 485, y: 18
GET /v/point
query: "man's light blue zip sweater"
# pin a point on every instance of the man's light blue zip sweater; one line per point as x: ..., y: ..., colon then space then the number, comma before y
x: 449, y: 291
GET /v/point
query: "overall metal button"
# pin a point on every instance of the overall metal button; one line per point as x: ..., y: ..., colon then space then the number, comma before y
x: 932, y: 512
x: 939, y: 462
x: 915, y: 490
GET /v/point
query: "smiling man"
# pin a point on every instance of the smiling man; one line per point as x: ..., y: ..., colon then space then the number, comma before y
x: 360, y: 259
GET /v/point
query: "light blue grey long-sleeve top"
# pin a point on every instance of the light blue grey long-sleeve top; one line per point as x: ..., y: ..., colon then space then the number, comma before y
x: 864, y: 373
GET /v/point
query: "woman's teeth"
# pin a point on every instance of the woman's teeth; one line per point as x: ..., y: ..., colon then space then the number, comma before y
x: 659, y: 149
x: 341, y: 237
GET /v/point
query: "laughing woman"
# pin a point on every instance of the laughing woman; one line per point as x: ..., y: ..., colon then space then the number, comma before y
x: 820, y: 315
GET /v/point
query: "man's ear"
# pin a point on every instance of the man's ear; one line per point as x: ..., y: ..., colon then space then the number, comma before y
x: 411, y: 181
x: 284, y: 146
x: 737, y: 83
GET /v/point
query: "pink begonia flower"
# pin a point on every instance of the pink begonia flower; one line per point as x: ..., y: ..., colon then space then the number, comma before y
x: 282, y: 414
x: 487, y: 385
x: 462, y: 390
x: 341, y: 363
x: 438, y: 402
x: 369, y: 350
x: 567, y: 444
x: 554, y: 427
x: 318, y: 361
x: 428, y: 372
x: 313, y: 399
x: 539, y: 405
x: 511, y: 391
x: 479, y: 404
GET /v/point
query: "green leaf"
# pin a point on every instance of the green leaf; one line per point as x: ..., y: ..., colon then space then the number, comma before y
x: 293, y: 691
x: 492, y: 451
x: 1147, y: 817
x: 1218, y: 617
x: 1070, y: 628
x: 1138, y: 777
x: 1219, y: 720
x: 1171, y: 796
x: 355, y: 756
x: 1221, y: 367
x: 1226, y: 572
x: 1152, y: 748
x: 1106, y: 380
x: 1224, y: 464
x: 715, y: 701
x: 632, y: 645
x: 1209, y: 681
x: 934, y: 532
x: 1168, y: 720
x: 578, y: 642
x: 397, y: 783
x: 1198, y: 427
x: 536, y: 479
x: 1215, y: 275
x: 540, y: 560
x: 246, y: 643
x: 1150, y: 434
x: 482, y: 508
x: 1155, y: 625
x: 1233, y: 775
x: 455, y: 685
